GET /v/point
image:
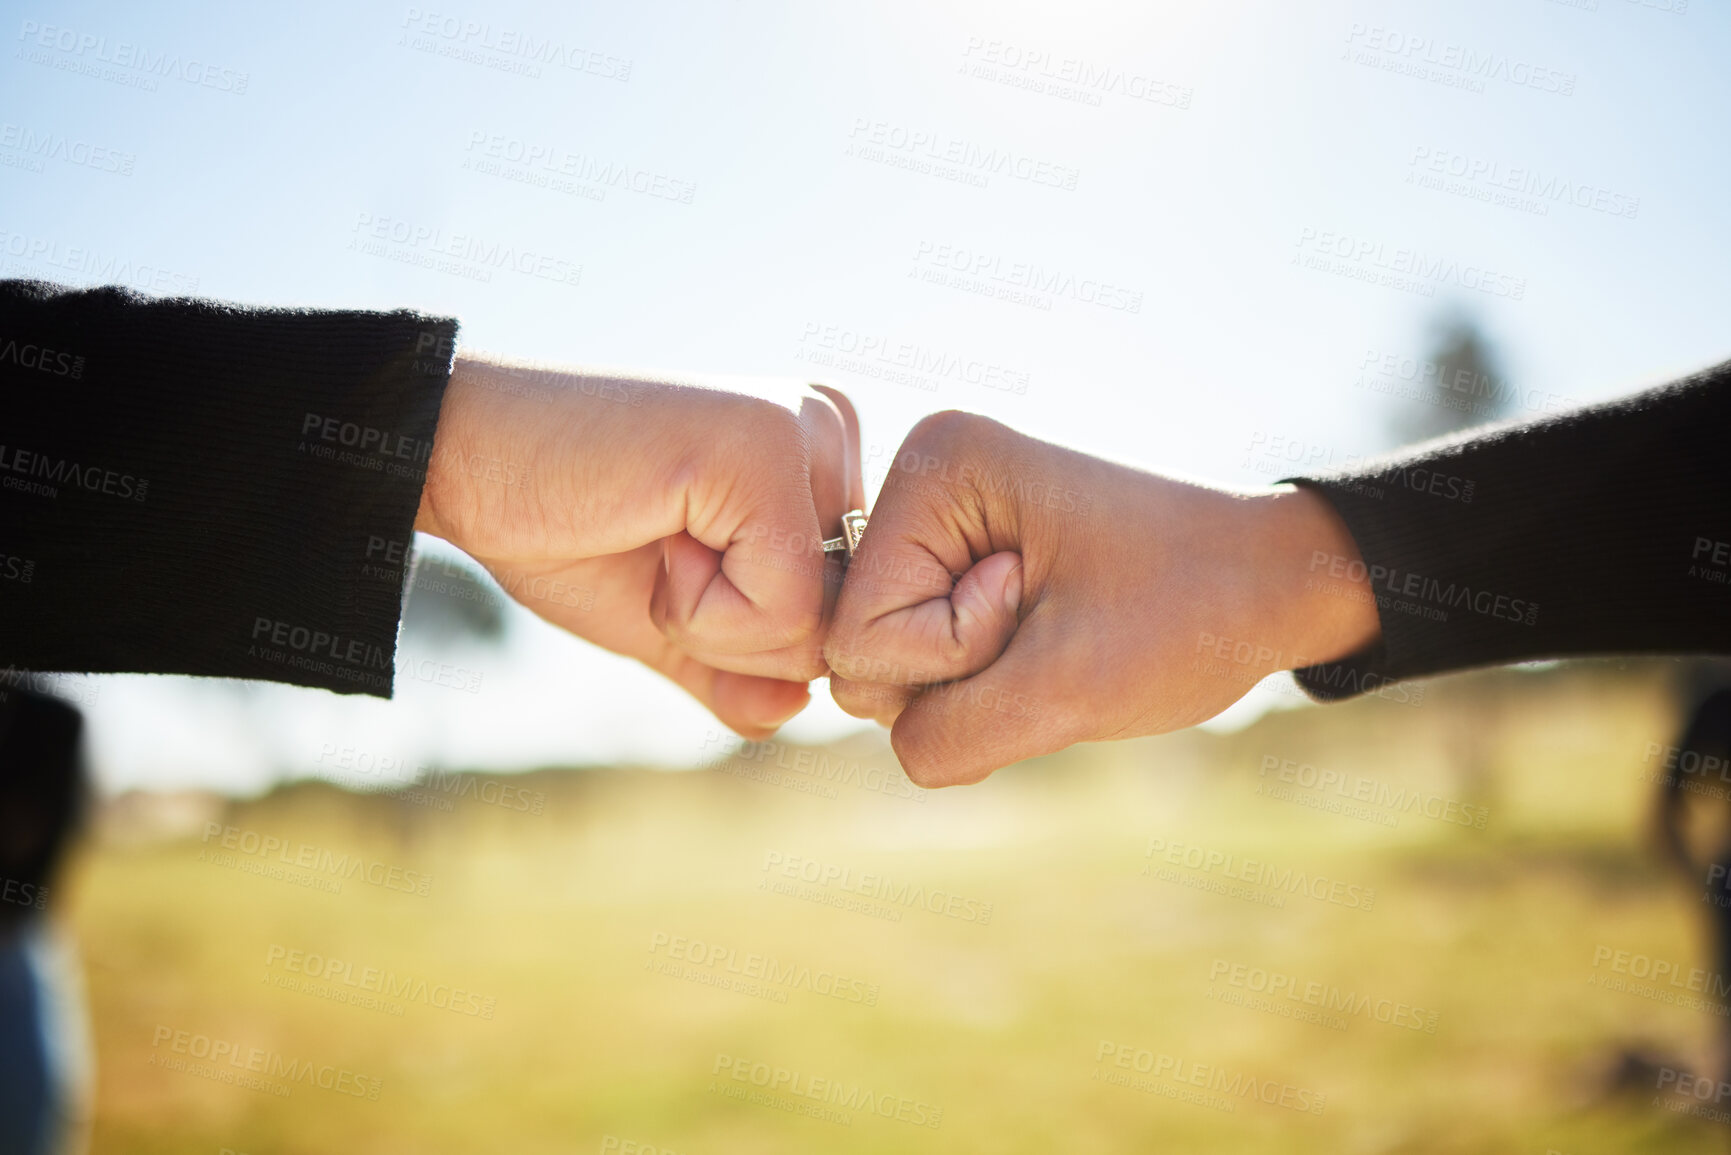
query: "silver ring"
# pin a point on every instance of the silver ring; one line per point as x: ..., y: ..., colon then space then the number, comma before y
x: 853, y: 524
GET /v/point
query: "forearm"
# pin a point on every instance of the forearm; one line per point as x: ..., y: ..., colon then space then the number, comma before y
x: 582, y: 455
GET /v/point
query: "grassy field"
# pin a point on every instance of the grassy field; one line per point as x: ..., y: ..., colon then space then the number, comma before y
x: 1025, y: 966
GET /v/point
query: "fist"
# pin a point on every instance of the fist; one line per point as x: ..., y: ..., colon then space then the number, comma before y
x: 691, y: 518
x: 1013, y: 597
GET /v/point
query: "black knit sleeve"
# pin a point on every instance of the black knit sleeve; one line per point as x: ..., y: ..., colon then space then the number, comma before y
x: 1604, y: 530
x: 192, y: 487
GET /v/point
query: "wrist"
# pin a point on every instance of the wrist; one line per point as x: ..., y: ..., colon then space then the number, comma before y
x: 1313, y: 589
x: 527, y: 453
x: 439, y: 488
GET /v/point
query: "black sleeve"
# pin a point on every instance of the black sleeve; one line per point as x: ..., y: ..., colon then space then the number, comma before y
x: 1604, y: 530
x: 191, y: 487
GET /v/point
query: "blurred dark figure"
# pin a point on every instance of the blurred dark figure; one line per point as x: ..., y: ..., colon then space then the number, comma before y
x: 1694, y: 829
x: 42, y: 1029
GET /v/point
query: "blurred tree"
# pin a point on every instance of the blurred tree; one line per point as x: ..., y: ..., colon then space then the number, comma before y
x: 1459, y: 384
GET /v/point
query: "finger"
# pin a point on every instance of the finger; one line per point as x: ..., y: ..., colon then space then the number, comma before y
x: 763, y: 593
x: 875, y: 701
x: 690, y: 573
x: 603, y: 600
x: 757, y: 583
x: 1024, y: 705
x: 852, y: 466
x: 753, y: 707
x: 929, y: 595
x: 913, y: 640
x: 831, y: 452
x: 769, y: 589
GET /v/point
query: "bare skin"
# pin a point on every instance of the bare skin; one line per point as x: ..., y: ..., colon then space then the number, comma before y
x: 1012, y: 597
x: 676, y: 524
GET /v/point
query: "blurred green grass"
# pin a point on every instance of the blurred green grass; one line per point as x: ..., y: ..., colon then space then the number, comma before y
x: 553, y: 916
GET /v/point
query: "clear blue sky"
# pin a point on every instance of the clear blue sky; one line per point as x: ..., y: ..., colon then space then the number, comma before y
x: 745, y: 187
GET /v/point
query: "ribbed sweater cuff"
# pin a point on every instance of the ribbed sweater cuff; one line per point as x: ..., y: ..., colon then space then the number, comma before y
x: 1588, y: 533
x: 219, y: 491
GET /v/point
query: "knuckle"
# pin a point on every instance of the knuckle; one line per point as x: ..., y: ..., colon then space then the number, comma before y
x: 825, y: 417
x: 772, y: 422
x: 750, y: 433
x: 953, y: 426
x: 945, y: 456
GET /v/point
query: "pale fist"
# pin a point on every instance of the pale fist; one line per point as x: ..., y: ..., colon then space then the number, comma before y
x: 687, y: 520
